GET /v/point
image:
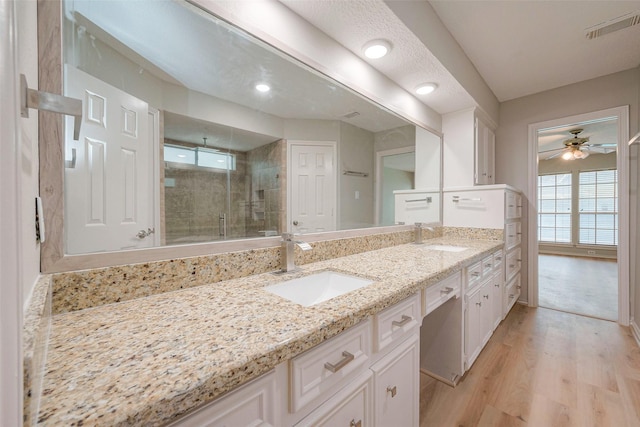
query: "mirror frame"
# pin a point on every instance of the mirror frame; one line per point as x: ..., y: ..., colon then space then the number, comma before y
x: 51, y: 157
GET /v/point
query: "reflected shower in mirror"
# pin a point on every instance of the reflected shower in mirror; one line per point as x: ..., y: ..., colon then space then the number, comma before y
x: 194, y: 131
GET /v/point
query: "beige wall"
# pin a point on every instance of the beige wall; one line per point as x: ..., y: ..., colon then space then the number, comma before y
x: 515, y: 116
x: 355, y: 153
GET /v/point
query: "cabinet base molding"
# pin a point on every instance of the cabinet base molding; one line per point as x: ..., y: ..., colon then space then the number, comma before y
x: 447, y: 381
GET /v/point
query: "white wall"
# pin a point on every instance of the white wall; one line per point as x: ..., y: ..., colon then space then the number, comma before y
x: 515, y: 116
x: 459, y: 143
x: 427, y: 171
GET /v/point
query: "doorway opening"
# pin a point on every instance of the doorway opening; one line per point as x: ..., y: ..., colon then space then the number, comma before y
x: 578, y: 219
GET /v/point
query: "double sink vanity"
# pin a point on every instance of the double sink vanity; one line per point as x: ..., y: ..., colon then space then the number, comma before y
x: 237, y: 352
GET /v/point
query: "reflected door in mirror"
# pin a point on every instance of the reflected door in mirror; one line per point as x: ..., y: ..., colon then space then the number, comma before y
x: 109, y: 190
x: 313, y: 187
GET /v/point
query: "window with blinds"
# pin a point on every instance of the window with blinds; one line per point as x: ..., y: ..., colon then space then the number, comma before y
x: 598, y: 207
x: 554, y: 208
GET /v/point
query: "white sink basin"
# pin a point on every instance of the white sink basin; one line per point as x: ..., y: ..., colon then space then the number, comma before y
x: 446, y: 248
x: 318, y: 287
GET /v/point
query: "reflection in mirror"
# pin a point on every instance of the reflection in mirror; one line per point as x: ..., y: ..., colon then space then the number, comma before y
x: 179, y: 146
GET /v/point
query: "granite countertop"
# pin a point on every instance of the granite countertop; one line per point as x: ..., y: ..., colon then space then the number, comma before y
x: 149, y: 360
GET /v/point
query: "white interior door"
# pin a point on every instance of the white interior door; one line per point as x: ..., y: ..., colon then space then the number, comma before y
x: 109, y: 191
x: 312, y: 187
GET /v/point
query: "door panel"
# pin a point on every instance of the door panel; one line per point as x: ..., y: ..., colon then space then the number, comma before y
x: 313, y: 188
x: 107, y: 192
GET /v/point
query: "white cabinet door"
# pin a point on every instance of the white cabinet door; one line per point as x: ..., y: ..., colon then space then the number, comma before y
x: 396, y: 382
x: 478, y: 319
x: 485, y: 154
x: 250, y: 405
x: 473, y: 326
x: 496, y: 285
x: 350, y: 407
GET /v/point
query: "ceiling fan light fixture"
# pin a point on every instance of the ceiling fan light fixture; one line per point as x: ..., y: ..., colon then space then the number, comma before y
x: 375, y: 49
x: 568, y: 155
x: 425, y: 88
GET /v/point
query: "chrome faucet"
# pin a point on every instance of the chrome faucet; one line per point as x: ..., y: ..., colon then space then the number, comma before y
x: 287, y: 246
x: 417, y: 232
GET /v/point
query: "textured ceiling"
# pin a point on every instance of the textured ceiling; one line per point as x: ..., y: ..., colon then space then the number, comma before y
x: 524, y: 47
x: 355, y: 22
x: 520, y: 47
x: 206, y: 56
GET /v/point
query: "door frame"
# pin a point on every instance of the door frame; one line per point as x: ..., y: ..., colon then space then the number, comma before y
x: 622, y: 163
x: 11, y: 229
x: 379, y: 176
x: 333, y: 145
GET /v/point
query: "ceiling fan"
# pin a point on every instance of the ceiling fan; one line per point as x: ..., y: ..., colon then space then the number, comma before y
x: 578, y: 147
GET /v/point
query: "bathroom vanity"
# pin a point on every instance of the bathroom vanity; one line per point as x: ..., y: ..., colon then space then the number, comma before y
x: 232, y: 349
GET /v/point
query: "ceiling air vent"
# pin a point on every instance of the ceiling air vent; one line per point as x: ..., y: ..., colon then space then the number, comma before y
x: 612, y: 25
x: 351, y: 115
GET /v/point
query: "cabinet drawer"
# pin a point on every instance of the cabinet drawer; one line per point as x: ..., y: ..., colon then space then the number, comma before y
x: 512, y: 293
x: 474, y: 274
x: 349, y: 406
x: 393, y: 322
x: 251, y: 404
x: 498, y: 257
x: 513, y: 234
x: 511, y: 207
x: 441, y: 292
x: 513, y: 263
x: 488, y: 266
x: 327, y: 367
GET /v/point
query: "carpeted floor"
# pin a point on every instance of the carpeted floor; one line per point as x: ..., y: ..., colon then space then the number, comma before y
x: 587, y: 286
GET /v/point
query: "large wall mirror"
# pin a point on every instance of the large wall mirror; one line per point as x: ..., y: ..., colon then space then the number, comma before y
x: 194, y: 131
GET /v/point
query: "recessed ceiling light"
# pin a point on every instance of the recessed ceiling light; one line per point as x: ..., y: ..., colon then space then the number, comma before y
x: 426, y: 88
x: 376, y: 48
x: 261, y: 87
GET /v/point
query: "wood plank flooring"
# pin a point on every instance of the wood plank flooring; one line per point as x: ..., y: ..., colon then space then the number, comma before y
x: 542, y: 368
x: 579, y: 285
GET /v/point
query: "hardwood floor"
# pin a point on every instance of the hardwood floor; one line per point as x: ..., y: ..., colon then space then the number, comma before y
x: 579, y: 285
x: 543, y: 368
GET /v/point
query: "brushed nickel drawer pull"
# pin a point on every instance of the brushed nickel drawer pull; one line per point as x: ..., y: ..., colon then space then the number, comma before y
x: 355, y: 423
x: 446, y: 291
x: 405, y: 319
x: 392, y: 390
x: 346, y: 358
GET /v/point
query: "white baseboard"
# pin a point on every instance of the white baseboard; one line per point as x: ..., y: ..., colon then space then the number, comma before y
x: 635, y: 330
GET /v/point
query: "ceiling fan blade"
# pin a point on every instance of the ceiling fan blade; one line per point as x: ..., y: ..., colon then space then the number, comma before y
x: 599, y: 149
x: 553, y: 156
x: 601, y: 145
x: 553, y: 149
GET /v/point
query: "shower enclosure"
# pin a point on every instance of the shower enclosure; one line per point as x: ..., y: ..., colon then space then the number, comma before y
x: 213, y: 193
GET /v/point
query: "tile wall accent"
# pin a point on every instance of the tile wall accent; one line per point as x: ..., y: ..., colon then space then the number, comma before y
x: 473, y: 233
x: 78, y: 290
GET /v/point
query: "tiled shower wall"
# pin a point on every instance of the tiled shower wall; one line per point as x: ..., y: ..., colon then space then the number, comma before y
x: 194, y: 198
